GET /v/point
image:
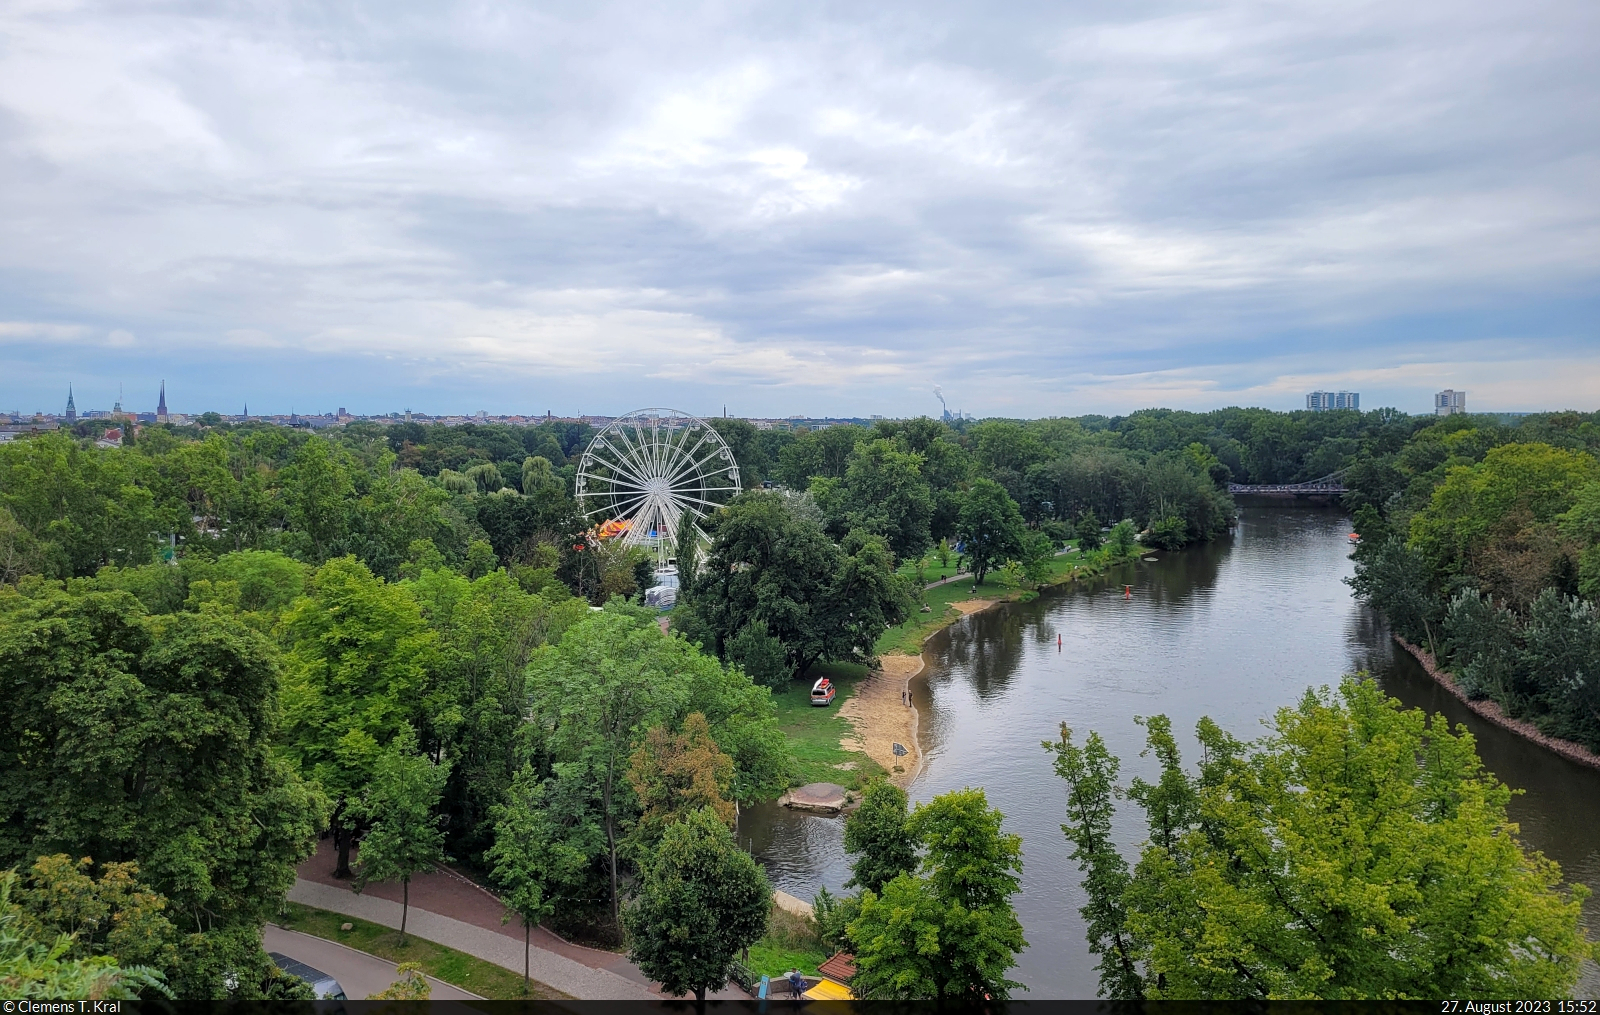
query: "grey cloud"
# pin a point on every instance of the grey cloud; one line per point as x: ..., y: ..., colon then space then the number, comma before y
x: 779, y: 196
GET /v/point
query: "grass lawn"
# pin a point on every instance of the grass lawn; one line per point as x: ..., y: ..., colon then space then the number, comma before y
x: 932, y: 573
x: 814, y: 733
x: 447, y: 964
x: 774, y: 958
x: 791, y: 942
x: 907, y: 638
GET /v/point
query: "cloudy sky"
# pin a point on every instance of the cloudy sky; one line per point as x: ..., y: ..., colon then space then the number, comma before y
x: 1047, y: 209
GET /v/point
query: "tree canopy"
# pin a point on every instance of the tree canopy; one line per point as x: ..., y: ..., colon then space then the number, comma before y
x: 147, y: 739
x: 770, y: 563
x: 1357, y: 851
x: 946, y: 931
x: 701, y: 900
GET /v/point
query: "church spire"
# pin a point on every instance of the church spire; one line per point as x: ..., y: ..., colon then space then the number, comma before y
x: 161, y: 406
x: 72, y: 409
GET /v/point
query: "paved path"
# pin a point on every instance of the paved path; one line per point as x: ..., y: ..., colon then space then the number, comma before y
x: 359, y: 973
x: 469, y: 918
x: 547, y: 967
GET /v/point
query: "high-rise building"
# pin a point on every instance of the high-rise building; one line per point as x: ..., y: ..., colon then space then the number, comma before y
x: 1322, y: 401
x: 161, y: 406
x: 72, y: 409
x: 1448, y: 402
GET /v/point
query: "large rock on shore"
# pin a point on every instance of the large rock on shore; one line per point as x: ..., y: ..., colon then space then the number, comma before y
x: 820, y: 797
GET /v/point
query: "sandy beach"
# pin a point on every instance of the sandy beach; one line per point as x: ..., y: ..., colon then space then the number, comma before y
x: 971, y: 606
x: 881, y: 718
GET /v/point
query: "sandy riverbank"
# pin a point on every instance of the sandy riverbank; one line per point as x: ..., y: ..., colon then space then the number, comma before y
x: 878, y: 712
x: 880, y: 717
x: 971, y: 606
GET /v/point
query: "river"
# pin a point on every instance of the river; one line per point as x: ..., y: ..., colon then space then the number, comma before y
x: 1234, y: 630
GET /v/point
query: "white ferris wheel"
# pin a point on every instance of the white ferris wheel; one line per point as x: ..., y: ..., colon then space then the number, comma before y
x: 652, y: 472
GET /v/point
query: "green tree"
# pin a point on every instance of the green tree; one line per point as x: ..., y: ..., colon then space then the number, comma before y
x: 412, y: 985
x: 317, y: 489
x: 132, y: 738
x: 1580, y: 523
x: 760, y: 655
x: 486, y: 631
x: 537, y: 475
x: 1007, y: 446
x: 1481, y: 510
x: 1091, y: 776
x: 883, y: 492
x: 990, y: 527
x: 1356, y: 851
x: 481, y: 559
x: 534, y: 859
x: 771, y: 563
x: 1122, y: 538
x: 114, y: 914
x: 405, y: 839
x: 82, y: 507
x: 1168, y: 533
x: 267, y: 582
x: 744, y: 440
x: 901, y: 952
x: 1394, y: 578
x: 876, y: 835
x: 20, y: 552
x: 818, y: 453
x: 1087, y: 528
x: 948, y: 932
x: 701, y: 900
x: 36, y: 969
x: 594, y: 695
x: 358, y: 654
x: 834, y: 915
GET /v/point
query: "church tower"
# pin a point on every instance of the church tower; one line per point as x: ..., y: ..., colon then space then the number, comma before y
x: 72, y: 409
x: 161, y: 406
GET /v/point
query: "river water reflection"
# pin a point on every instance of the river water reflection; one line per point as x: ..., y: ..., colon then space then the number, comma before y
x: 1233, y: 630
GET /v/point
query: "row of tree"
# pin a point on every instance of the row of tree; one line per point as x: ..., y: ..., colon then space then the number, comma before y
x: 1482, y: 544
x: 1356, y: 852
x: 371, y: 490
x: 918, y: 482
x: 201, y: 722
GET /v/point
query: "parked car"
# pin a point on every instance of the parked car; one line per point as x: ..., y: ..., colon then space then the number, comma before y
x: 326, y: 987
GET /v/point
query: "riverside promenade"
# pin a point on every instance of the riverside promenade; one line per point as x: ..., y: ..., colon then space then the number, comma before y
x: 449, y: 909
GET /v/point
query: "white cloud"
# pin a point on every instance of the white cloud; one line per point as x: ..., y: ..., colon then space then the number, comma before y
x: 1036, y: 207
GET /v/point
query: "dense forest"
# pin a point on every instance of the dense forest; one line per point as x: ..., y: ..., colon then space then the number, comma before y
x: 1481, y: 543
x: 377, y: 492
x: 220, y: 642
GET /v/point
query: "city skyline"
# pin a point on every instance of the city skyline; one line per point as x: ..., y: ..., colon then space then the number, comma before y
x: 89, y: 411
